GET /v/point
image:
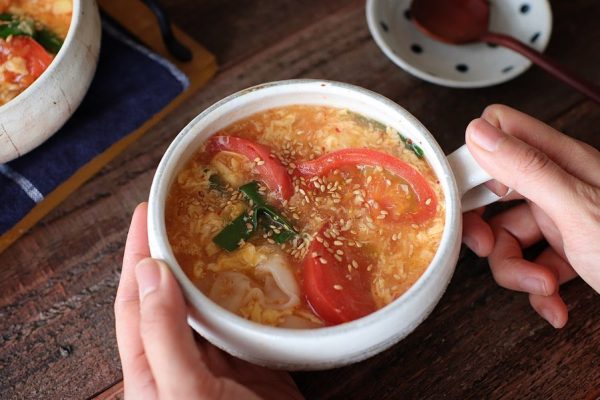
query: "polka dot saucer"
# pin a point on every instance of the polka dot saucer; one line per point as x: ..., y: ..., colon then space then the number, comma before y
x: 463, y: 66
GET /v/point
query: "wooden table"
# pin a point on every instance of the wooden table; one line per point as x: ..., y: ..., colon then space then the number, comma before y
x: 58, y: 282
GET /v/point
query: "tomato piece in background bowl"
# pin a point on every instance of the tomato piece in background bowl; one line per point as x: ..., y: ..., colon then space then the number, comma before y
x: 23, y: 48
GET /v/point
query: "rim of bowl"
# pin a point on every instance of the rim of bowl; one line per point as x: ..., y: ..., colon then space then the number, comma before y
x: 157, y: 221
x: 75, y: 21
x: 419, y: 73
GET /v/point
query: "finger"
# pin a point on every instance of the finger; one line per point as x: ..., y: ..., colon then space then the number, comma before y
x: 168, y: 341
x: 563, y: 270
x: 477, y: 234
x: 136, y: 371
x: 520, y: 223
x: 552, y: 308
x: 511, y: 271
x: 521, y: 167
x: 561, y: 148
x: 498, y: 188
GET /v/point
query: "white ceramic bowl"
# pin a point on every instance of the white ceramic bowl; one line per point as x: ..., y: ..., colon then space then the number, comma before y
x: 342, y: 344
x: 40, y: 110
x: 465, y: 66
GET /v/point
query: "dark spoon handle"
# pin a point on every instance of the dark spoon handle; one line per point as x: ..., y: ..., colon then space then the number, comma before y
x: 588, y: 88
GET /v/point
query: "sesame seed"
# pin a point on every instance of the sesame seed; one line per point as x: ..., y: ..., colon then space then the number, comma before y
x: 322, y: 260
x: 428, y: 201
x: 338, y: 287
x: 340, y: 252
x: 337, y: 243
x: 338, y: 258
x: 354, y: 264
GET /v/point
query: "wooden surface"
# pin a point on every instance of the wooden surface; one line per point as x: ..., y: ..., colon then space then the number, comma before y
x: 57, y: 283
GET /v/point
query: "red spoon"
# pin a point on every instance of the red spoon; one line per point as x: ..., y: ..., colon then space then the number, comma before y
x: 467, y: 21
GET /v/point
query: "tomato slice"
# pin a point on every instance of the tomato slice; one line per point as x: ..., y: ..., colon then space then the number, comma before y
x: 36, y: 58
x: 336, y: 292
x: 427, y: 201
x: 273, y: 173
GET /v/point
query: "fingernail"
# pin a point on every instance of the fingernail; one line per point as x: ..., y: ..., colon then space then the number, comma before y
x: 472, y: 244
x: 485, y: 135
x: 549, y: 316
x: 534, y: 286
x: 147, y: 273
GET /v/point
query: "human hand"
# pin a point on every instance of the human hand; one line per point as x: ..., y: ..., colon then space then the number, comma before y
x: 558, y: 178
x: 160, y: 357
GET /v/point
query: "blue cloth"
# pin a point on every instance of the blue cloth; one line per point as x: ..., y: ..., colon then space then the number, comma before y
x: 130, y: 86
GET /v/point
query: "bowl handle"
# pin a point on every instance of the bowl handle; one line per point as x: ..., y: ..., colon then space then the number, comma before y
x: 470, y: 178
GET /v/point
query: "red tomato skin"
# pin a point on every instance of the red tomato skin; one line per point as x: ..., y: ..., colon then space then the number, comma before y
x: 354, y: 156
x: 352, y: 299
x: 35, y: 56
x: 274, y: 174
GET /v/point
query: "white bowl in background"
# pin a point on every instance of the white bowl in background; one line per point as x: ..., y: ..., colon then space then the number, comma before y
x: 461, y: 66
x: 40, y: 110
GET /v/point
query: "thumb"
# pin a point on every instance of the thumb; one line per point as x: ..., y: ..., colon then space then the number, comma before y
x: 169, y: 346
x: 521, y: 167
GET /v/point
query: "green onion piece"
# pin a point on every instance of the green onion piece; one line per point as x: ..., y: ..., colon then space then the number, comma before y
x: 49, y: 40
x: 418, y: 150
x: 12, y: 25
x: 415, y: 148
x: 286, y: 229
x: 239, y: 229
x: 245, y: 225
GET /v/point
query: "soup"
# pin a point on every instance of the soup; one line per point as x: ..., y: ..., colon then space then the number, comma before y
x: 31, y: 33
x: 305, y: 216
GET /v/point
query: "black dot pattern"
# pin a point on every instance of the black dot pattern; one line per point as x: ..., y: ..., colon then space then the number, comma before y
x: 525, y: 8
x: 417, y: 49
x: 462, y: 68
x: 384, y: 26
x: 507, y: 69
x: 407, y: 15
x: 535, y: 37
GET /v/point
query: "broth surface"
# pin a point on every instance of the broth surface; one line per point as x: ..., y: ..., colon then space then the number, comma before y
x: 362, y: 229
